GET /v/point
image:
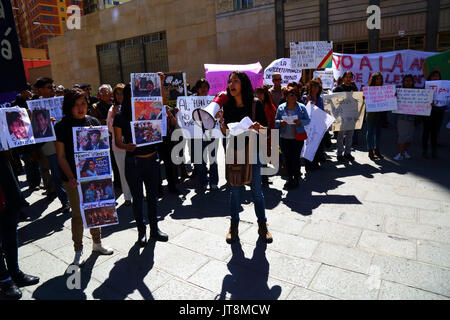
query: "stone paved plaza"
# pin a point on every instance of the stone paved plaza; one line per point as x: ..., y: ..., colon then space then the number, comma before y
x: 351, y: 231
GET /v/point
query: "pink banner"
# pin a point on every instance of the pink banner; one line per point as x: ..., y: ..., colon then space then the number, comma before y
x: 217, y: 75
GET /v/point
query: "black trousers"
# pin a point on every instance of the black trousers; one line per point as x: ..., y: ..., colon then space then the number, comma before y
x: 137, y: 172
x: 291, y: 149
x: 164, y: 151
x: 431, y: 128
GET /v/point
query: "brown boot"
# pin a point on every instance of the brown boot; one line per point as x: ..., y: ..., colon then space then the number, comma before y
x: 232, y: 234
x: 264, y: 232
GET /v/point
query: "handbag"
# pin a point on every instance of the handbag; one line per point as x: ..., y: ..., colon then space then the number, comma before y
x: 240, y: 174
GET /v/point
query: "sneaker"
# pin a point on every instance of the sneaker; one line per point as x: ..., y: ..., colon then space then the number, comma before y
x: 214, y: 187
x: 398, y: 157
x: 98, y: 247
x: 407, y: 155
x: 349, y: 157
x: 78, y: 259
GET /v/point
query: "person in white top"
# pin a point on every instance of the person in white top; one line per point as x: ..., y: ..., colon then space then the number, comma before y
x: 119, y: 154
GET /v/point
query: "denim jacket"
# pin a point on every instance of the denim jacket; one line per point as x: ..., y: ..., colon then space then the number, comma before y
x: 301, y: 113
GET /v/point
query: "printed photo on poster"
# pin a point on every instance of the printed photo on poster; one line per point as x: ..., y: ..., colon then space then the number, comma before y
x: 18, y: 127
x: 3, y: 132
x: 146, y: 132
x: 145, y: 85
x: 148, y: 110
x: 42, y: 126
x: 174, y: 86
x: 95, y: 191
x: 88, y: 139
x: 53, y: 105
x: 95, y: 164
x: 95, y: 216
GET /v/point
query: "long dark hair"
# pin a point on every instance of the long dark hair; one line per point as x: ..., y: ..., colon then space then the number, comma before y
x: 267, y: 97
x: 126, y: 109
x: 433, y: 73
x: 198, y: 84
x: 373, y: 77
x: 246, y: 89
x: 70, y: 98
x: 407, y: 76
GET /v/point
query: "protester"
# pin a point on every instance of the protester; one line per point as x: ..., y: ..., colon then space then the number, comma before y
x: 86, y: 87
x: 292, y: 135
x: 75, y: 115
x: 346, y: 137
x: 262, y: 93
x: 276, y: 92
x: 405, y: 125
x: 141, y: 166
x: 374, y: 123
x: 240, y: 105
x: 432, y: 124
x: 119, y: 154
x: 100, y: 109
x: 11, y: 277
x: 59, y: 91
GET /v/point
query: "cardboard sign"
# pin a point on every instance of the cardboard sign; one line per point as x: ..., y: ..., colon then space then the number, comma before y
x: 282, y: 66
x: 218, y: 74
x: 311, y: 54
x: 414, y: 101
x: 347, y: 108
x: 441, y: 89
x: 380, y: 98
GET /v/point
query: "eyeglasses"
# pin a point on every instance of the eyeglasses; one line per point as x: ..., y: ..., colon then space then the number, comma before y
x: 50, y: 87
x: 291, y: 94
x: 278, y: 79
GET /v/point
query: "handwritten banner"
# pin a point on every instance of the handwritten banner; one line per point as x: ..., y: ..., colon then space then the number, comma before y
x: 380, y: 98
x: 414, y: 101
x: 347, y: 108
x: 327, y: 78
x: 217, y: 75
x: 441, y: 89
x: 311, y: 54
x: 53, y: 105
x: 282, y: 66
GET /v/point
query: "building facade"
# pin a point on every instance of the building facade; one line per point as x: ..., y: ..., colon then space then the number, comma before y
x: 90, y: 6
x: 39, y: 20
x: 181, y: 35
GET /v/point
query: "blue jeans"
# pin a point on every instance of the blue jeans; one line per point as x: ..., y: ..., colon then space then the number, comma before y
x: 56, y: 176
x: 8, y: 239
x: 373, y: 135
x: 258, y: 197
x: 202, y: 168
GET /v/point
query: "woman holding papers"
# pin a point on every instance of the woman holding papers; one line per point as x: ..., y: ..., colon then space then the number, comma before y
x: 432, y: 124
x: 241, y: 104
x: 141, y: 167
x: 291, y: 118
x: 374, y: 123
x: 405, y: 125
x: 75, y: 107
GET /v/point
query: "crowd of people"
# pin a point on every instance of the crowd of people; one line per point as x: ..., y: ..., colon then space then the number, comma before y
x: 51, y: 166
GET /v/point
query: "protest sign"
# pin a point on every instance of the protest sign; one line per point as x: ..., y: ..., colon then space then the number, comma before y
x: 96, y: 190
x: 218, y: 74
x: 327, y: 78
x: 96, y: 216
x: 94, y: 164
x: 18, y: 128
x: 186, y: 105
x: 320, y: 122
x: 311, y: 54
x: 380, y: 98
x: 145, y: 85
x: 441, y: 89
x: 53, y: 105
x: 3, y: 132
x: 146, y: 132
x: 347, y: 108
x: 174, y: 86
x: 41, y: 123
x: 414, y: 101
x: 90, y: 138
x: 393, y: 65
x: 282, y: 66
x: 148, y: 110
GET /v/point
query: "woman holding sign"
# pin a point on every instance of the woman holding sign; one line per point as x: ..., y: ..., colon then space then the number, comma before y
x: 75, y: 107
x: 374, y: 123
x: 241, y: 104
x: 141, y: 167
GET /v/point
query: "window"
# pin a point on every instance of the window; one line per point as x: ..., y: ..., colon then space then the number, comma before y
x: 349, y: 48
x: 362, y: 47
x: 243, y: 4
x: 386, y: 45
x: 417, y: 43
x: 401, y: 44
x: 444, y: 41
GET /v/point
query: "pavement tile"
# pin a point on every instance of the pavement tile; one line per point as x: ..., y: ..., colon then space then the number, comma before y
x: 28, y: 250
x: 343, y: 284
x: 177, y: 290
x: 395, y: 291
x: 434, y: 253
x: 436, y: 218
x: 383, y: 196
x: 217, y: 226
x: 331, y: 232
x: 418, y: 231
x: 300, y: 293
x: 352, y: 259
x: 422, y: 193
x: 415, y: 274
x: 359, y: 220
x: 388, y: 244
x: 54, y: 241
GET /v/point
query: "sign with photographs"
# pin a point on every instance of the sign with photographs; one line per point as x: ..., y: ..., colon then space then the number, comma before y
x: 94, y: 174
x: 145, y: 85
x: 174, y: 86
x: 53, y: 105
x: 17, y: 126
x: 146, y: 132
x: 41, y: 123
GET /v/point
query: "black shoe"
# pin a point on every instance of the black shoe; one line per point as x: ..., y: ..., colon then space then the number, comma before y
x: 349, y: 157
x: 341, y: 158
x: 127, y: 203
x: 142, y: 240
x: 174, y: 190
x: 24, y: 280
x: 9, y: 290
x: 158, y: 235
x: 65, y: 208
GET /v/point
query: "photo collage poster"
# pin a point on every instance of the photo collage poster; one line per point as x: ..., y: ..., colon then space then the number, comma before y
x: 149, y: 124
x: 16, y: 128
x: 94, y: 176
x: 41, y: 113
